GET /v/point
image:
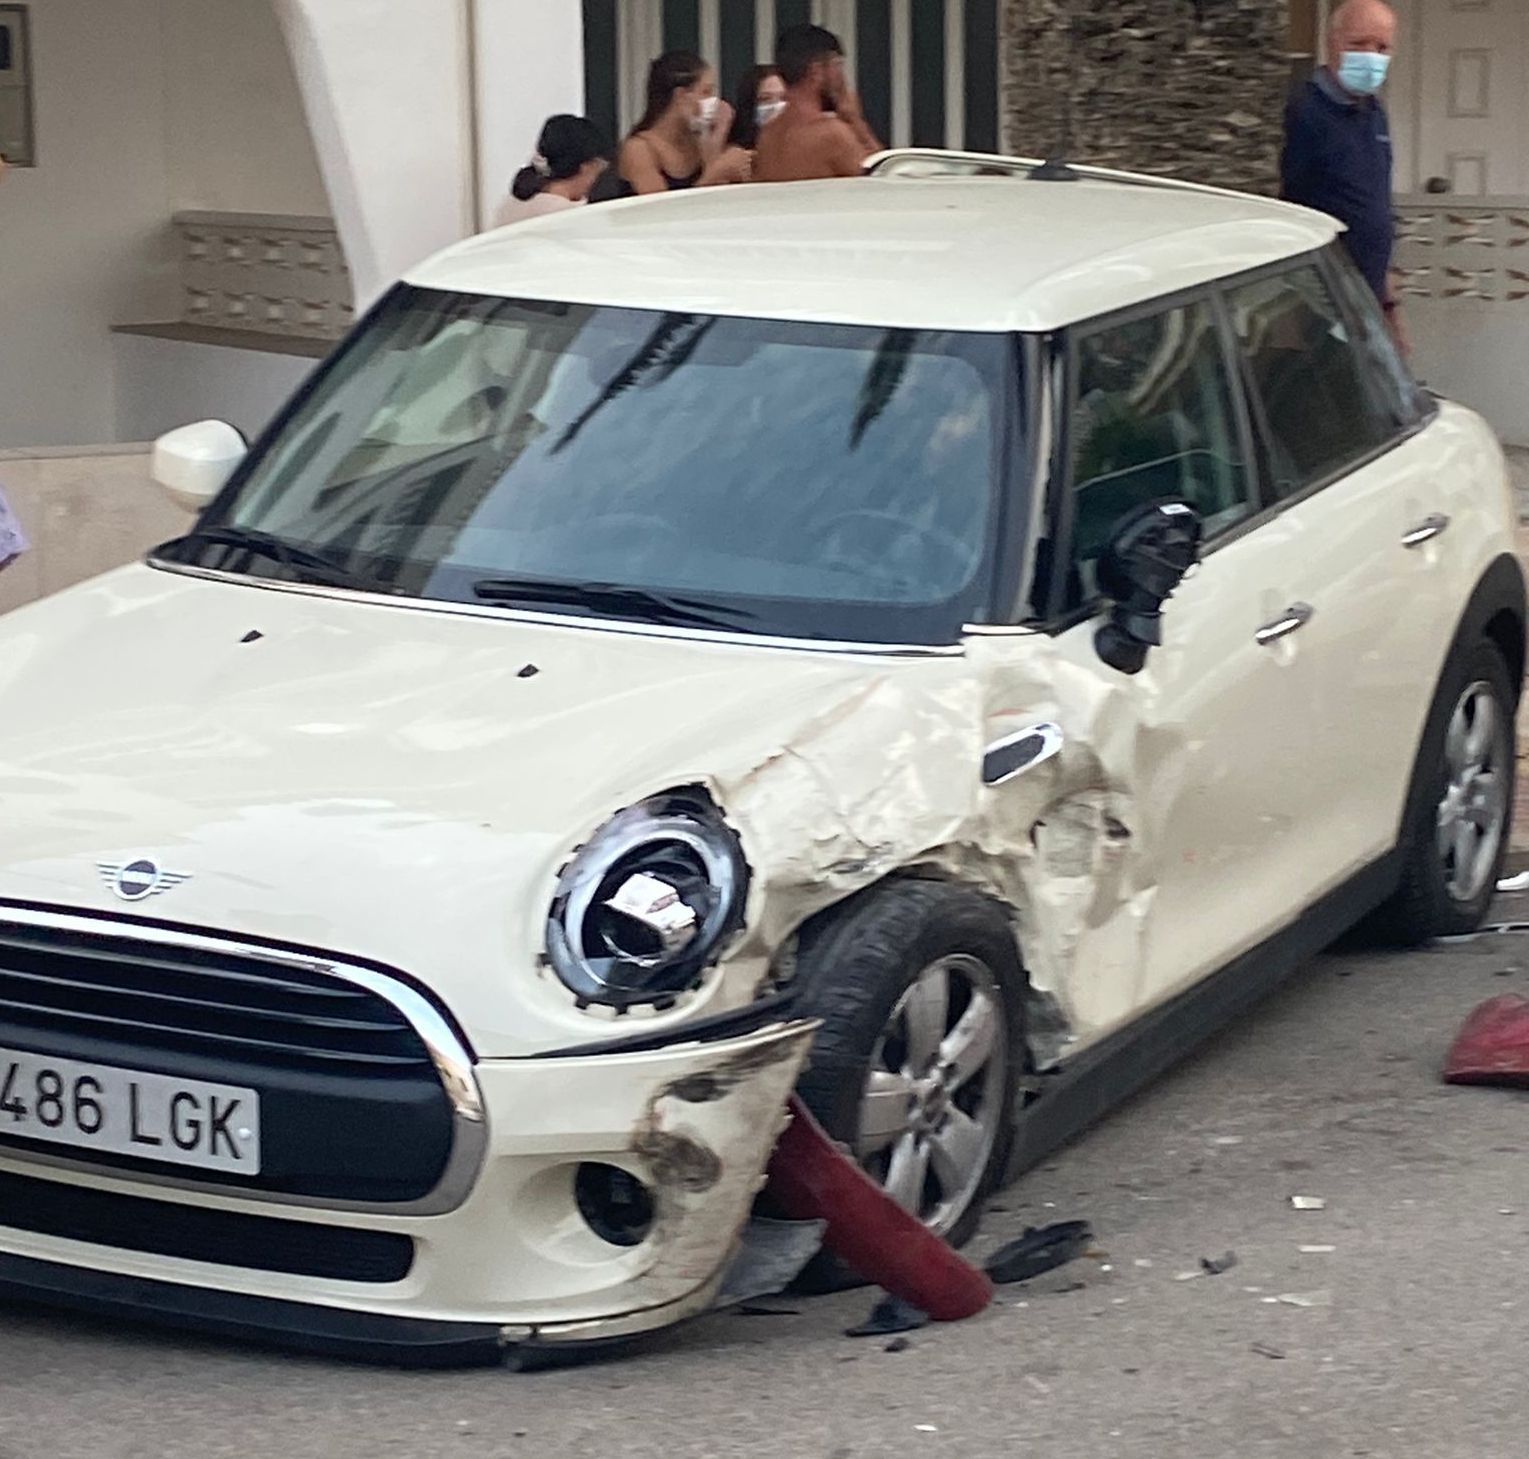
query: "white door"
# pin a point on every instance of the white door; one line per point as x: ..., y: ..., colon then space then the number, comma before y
x: 1460, y: 96
x: 1356, y: 484
x: 1204, y: 746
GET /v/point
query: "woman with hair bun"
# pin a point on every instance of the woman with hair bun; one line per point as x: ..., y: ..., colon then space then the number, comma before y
x: 570, y: 156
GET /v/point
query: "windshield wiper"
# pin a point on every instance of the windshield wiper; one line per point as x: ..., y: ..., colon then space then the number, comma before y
x: 612, y: 598
x: 277, y: 549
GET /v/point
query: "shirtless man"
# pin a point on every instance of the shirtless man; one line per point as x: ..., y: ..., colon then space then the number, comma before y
x: 822, y: 132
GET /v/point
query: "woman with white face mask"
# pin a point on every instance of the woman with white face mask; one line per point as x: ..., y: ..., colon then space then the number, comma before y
x: 761, y: 98
x: 678, y: 141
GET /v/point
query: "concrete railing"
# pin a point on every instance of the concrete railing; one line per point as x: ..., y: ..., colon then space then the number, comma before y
x: 264, y: 273
x: 1453, y: 248
x: 85, y: 510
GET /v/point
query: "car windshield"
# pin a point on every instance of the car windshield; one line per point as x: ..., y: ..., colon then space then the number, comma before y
x: 805, y: 480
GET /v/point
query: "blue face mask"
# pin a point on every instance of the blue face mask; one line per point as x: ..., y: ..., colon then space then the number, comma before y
x: 1363, y: 72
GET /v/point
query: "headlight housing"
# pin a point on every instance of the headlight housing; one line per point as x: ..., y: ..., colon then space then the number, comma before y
x: 646, y: 905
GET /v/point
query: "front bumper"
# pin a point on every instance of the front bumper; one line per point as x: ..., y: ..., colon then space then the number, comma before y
x: 514, y: 1264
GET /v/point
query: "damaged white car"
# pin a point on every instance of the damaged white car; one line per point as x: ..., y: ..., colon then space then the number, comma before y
x: 977, y: 632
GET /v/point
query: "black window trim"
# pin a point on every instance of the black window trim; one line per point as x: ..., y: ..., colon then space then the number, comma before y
x: 1018, y: 520
x: 1248, y: 409
x: 1342, y: 276
x: 1319, y: 260
x: 1057, y: 619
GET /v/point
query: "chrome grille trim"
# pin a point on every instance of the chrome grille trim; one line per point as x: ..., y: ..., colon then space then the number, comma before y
x: 453, y: 1065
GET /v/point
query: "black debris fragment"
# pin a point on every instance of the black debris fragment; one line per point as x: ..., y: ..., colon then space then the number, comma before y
x: 1039, y: 1250
x: 1265, y: 1351
x: 253, y: 636
x: 897, y: 1345
x: 890, y: 1315
x: 529, y: 672
x: 761, y: 1309
x: 1213, y: 1267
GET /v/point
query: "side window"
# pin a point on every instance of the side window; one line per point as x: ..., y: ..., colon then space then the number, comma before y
x: 1400, y: 396
x: 1308, y: 376
x: 1153, y: 419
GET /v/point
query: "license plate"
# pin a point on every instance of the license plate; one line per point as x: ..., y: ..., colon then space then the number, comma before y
x: 154, y: 1116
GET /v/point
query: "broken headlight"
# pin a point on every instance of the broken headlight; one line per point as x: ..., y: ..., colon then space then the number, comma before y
x: 642, y: 909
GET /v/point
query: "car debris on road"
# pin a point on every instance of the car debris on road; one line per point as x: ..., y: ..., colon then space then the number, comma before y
x: 1492, y: 1046
x: 1039, y: 1250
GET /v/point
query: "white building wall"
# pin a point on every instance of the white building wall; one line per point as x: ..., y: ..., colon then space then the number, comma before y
x: 530, y: 64
x: 384, y: 86
x: 423, y: 110
x: 142, y: 107
x: 236, y: 137
x: 82, y: 236
x: 164, y: 383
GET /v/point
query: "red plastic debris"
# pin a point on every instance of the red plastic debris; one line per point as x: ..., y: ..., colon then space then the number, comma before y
x: 812, y: 1179
x: 1493, y: 1045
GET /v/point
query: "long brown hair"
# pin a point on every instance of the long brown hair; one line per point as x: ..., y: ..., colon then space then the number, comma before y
x: 745, y: 132
x: 672, y: 72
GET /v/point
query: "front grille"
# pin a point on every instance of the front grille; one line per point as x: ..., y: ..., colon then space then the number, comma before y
x: 351, y: 1104
x: 194, y: 1233
x: 179, y: 999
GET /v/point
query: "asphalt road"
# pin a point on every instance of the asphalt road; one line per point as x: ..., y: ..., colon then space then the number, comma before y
x: 1330, y: 1090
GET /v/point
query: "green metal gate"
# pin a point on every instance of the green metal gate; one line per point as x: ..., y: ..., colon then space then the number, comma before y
x: 926, y: 70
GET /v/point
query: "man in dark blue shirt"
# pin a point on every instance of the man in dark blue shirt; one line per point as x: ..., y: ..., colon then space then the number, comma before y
x: 1337, y: 154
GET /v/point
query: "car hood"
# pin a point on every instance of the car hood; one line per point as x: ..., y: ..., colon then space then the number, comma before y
x: 375, y: 780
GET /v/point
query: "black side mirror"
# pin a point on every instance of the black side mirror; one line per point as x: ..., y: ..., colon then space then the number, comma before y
x: 1149, y: 553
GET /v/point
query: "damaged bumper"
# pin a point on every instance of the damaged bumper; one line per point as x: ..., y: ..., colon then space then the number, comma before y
x: 517, y: 1263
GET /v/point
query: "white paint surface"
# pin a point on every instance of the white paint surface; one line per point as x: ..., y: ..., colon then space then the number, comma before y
x: 1478, y: 353
x: 143, y: 107
x: 530, y: 66
x: 384, y: 86
x: 83, y: 240
x: 235, y: 132
x: 865, y: 250
x: 166, y: 383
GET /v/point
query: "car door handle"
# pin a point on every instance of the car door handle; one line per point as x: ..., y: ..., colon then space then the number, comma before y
x: 1295, y: 617
x: 1426, y: 530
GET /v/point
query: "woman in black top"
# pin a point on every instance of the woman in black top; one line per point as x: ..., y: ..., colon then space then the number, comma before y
x: 680, y: 135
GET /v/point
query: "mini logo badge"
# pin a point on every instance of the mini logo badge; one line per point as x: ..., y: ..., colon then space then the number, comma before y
x: 133, y: 881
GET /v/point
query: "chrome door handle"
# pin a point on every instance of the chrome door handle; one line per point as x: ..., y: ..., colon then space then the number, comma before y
x: 1426, y: 530
x: 1296, y: 616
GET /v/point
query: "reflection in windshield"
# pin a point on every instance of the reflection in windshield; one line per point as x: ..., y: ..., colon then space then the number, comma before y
x: 800, y: 479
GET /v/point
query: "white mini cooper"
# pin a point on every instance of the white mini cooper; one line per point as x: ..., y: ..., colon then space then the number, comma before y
x: 939, y: 642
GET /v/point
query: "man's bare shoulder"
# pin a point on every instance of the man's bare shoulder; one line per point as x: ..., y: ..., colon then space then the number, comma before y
x: 797, y: 148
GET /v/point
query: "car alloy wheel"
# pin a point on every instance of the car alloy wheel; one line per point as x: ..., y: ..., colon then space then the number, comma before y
x: 931, y: 1108
x: 1472, y: 811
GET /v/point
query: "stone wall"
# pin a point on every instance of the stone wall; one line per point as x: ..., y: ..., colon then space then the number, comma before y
x: 1186, y: 88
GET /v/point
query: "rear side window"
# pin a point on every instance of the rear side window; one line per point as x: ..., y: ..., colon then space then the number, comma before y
x: 1399, y: 394
x: 1153, y: 420
x: 1309, y: 378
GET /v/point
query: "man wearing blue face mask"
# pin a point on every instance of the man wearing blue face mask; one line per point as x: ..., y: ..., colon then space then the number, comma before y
x: 1337, y: 154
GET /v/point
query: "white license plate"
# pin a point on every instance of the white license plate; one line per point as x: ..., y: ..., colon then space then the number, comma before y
x: 154, y: 1116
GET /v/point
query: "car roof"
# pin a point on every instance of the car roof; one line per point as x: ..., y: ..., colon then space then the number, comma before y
x: 985, y: 254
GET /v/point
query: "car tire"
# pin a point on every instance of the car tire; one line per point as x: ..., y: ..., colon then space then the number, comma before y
x: 1465, y: 779
x: 886, y: 973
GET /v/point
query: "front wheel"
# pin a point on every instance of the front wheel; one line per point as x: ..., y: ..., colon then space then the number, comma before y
x: 1462, y: 808
x: 914, y: 1070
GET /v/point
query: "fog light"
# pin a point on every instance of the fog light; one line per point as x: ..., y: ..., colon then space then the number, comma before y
x: 615, y: 1205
